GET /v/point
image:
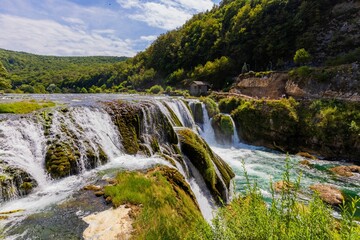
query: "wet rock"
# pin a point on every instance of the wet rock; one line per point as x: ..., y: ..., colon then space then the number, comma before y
x: 306, y: 155
x: 305, y: 163
x: 92, y: 188
x: 345, y: 171
x: 14, y: 182
x: 328, y: 194
x: 99, y: 193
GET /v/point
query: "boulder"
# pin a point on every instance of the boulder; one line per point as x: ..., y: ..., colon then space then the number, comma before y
x: 329, y: 194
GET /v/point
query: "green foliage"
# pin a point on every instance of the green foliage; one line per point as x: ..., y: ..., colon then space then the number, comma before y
x: 328, y: 127
x: 302, y: 56
x: 210, y: 105
x: 23, y: 107
x: 156, y: 89
x: 168, y: 210
x: 248, y: 217
x: 224, y: 123
x: 25, y: 71
x: 227, y: 105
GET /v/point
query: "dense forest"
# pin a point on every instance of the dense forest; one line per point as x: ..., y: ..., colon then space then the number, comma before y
x: 215, y: 46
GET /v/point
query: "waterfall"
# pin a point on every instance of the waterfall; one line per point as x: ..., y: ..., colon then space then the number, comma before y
x: 22, y: 145
x: 236, y: 140
x: 207, y: 130
x: 181, y: 111
x: 82, y: 135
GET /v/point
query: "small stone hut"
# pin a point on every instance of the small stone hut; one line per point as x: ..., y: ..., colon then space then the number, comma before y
x: 199, y: 88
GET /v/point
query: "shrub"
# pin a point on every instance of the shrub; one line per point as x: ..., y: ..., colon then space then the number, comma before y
x: 156, y: 89
x: 302, y: 57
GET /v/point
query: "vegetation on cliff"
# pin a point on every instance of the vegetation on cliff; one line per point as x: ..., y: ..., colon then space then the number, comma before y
x: 327, y: 127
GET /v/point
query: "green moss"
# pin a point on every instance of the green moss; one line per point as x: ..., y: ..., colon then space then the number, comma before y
x: 227, y: 105
x: 223, y: 128
x: 270, y: 123
x: 26, y: 186
x: 60, y: 160
x: 24, y: 107
x: 168, y: 207
x: 200, y: 154
x: 210, y: 105
x: 324, y: 127
x: 173, y: 116
x: 155, y: 145
x: 197, y: 112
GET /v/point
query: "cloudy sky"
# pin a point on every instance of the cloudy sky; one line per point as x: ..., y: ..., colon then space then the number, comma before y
x: 90, y: 27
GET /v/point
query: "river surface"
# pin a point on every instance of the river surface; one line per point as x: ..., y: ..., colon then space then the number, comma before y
x: 261, y: 164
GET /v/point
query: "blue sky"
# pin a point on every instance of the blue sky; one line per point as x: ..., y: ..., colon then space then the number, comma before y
x: 91, y: 27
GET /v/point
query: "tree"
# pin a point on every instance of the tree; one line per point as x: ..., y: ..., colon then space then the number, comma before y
x: 302, y: 57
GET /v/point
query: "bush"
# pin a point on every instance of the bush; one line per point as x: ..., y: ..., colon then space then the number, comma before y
x: 156, y: 89
x: 302, y: 57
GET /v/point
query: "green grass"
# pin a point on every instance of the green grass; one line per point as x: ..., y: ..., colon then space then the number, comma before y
x: 23, y: 107
x: 167, y: 211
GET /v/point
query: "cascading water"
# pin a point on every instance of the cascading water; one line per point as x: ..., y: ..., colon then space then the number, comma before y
x: 25, y: 143
x: 207, y: 130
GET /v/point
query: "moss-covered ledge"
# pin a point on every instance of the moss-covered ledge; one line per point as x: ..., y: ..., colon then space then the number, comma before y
x: 208, y: 163
x: 329, y: 128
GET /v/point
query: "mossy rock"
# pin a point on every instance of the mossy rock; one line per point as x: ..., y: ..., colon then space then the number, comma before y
x: 174, y: 118
x: 272, y: 123
x: 60, y: 160
x: 197, y: 112
x: 223, y: 128
x: 14, y: 182
x: 130, y: 121
x: 200, y: 154
x: 126, y: 117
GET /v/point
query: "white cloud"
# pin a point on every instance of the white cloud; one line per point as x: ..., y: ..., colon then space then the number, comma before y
x: 165, y: 14
x: 149, y: 38
x: 51, y: 38
x: 161, y: 16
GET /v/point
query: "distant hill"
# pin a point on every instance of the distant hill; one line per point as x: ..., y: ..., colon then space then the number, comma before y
x: 36, y: 73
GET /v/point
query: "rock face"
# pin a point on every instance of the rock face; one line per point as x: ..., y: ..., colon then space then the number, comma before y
x: 341, y: 82
x: 216, y: 173
x: 140, y: 124
x: 14, y: 182
x: 328, y: 194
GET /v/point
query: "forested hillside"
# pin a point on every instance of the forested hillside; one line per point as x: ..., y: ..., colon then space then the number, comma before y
x: 24, y: 72
x: 215, y: 46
